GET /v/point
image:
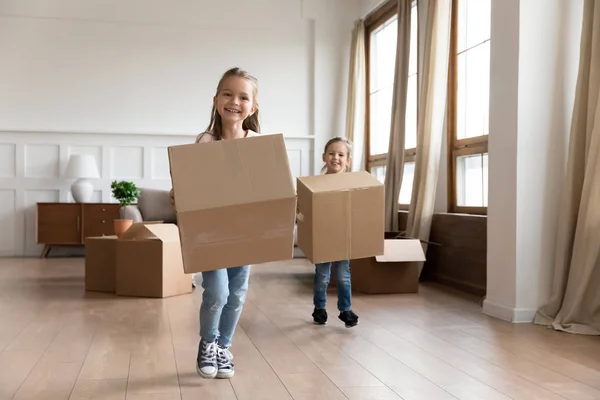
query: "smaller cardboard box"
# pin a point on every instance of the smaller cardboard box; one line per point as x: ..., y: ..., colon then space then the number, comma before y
x: 149, y: 262
x: 235, y: 202
x: 100, y: 263
x: 396, y: 271
x: 341, y: 216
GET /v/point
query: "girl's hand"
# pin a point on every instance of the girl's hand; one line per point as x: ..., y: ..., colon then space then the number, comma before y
x: 172, y: 196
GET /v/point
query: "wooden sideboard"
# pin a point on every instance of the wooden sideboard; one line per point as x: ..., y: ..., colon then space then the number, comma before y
x: 68, y: 224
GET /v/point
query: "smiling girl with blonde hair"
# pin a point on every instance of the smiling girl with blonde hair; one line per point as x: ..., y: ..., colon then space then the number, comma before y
x: 234, y: 115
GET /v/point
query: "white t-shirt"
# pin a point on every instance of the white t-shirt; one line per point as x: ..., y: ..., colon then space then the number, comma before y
x: 209, y: 137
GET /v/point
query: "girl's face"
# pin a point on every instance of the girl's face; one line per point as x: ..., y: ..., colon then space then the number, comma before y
x: 336, y: 158
x: 235, y: 101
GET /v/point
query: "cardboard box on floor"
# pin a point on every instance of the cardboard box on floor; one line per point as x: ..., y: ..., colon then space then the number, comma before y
x: 100, y: 263
x: 341, y: 216
x: 235, y: 202
x: 149, y: 262
x: 396, y: 271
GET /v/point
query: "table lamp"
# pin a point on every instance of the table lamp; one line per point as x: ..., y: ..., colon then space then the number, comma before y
x: 82, y: 167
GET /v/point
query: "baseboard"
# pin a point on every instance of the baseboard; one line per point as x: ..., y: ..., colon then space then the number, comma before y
x: 524, y: 315
x: 513, y: 315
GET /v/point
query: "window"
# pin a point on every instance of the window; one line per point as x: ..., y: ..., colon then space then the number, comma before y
x: 381, y: 31
x: 468, y: 106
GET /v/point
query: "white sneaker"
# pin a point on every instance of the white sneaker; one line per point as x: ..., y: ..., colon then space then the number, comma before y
x: 206, y: 362
x: 224, y: 363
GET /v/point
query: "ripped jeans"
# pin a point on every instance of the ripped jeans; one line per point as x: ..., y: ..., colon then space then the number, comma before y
x: 343, y: 284
x: 222, y: 303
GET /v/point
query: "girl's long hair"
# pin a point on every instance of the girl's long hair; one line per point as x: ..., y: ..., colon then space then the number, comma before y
x: 251, y: 123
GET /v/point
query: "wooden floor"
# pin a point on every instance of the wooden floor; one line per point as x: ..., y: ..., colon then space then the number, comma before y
x: 58, y: 342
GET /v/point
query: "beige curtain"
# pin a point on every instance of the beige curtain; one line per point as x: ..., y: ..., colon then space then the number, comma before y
x: 355, y: 108
x: 431, y: 116
x: 574, y: 305
x: 395, y: 161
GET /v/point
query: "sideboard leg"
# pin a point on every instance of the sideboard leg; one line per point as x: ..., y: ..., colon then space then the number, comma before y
x: 45, y: 251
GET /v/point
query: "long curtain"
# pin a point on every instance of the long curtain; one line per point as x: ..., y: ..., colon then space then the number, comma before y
x: 355, y: 107
x: 395, y: 161
x: 431, y: 117
x: 574, y: 305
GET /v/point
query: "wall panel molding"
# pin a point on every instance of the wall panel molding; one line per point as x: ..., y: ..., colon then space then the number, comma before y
x: 32, y: 166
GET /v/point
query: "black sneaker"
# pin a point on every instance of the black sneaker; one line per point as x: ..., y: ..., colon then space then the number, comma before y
x: 206, y: 362
x: 225, y: 368
x: 320, y: 316
x: 349, y: 318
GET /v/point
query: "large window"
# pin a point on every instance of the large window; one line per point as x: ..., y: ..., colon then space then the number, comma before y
x: 468, y: 106
x: 381, y: 30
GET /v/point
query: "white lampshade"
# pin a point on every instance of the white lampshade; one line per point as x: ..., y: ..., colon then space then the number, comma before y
x: 82, y: 166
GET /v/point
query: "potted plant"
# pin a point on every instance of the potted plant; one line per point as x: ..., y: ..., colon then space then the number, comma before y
x: 126, y: 193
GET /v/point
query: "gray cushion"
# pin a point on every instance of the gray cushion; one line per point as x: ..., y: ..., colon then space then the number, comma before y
x: 155, y: 205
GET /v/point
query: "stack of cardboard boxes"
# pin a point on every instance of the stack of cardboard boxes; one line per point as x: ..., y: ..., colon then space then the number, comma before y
x: 342, y: 218
x: 144, y: 262
x: 236, y: 205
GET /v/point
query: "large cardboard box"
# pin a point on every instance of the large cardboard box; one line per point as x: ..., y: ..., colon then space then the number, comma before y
x: 235, y: 202
x: 396, y: 271
x: 149, y: 262
x: 341, y: 216
x: 100, y: 263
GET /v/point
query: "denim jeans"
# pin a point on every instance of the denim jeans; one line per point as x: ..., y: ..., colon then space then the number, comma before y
x: 222, y: 303
x: 344, y: 287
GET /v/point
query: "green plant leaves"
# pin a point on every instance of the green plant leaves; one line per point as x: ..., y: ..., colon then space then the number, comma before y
x: 125, y: 192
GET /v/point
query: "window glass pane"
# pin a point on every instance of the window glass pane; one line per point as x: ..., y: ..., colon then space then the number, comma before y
x: 474, y: 23
x: 379, y: 173
x: 382, y: 62
x: 472, y: 180
x: 382, y: 56
x: 408, y: 177
x: 410, y: 138
x: 379, y: 123
x: 407, y: 180
x: 412, y: 58
x: 485, y: 180
x: 473, y: 117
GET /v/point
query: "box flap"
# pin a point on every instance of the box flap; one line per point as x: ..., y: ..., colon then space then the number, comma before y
x: 141, y: 231
x: 256, y: 169
x: 337, y: 182
x: 168, y: 233
x: 401, y: 250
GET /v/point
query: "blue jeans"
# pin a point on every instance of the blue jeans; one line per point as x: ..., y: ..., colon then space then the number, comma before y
x: 222, y: 303
x: 344, y: 287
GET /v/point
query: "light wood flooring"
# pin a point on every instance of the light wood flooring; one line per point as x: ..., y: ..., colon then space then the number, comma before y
x: 59, y: 342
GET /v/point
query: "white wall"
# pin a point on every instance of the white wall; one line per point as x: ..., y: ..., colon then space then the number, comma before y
x: 366, y: 6
x: 534, y: 60
x: 124, y: 80
x: 544, y: 122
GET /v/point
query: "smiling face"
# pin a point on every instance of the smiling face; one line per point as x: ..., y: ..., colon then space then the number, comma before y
x: 235, y: 100
x: 336, y: 158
